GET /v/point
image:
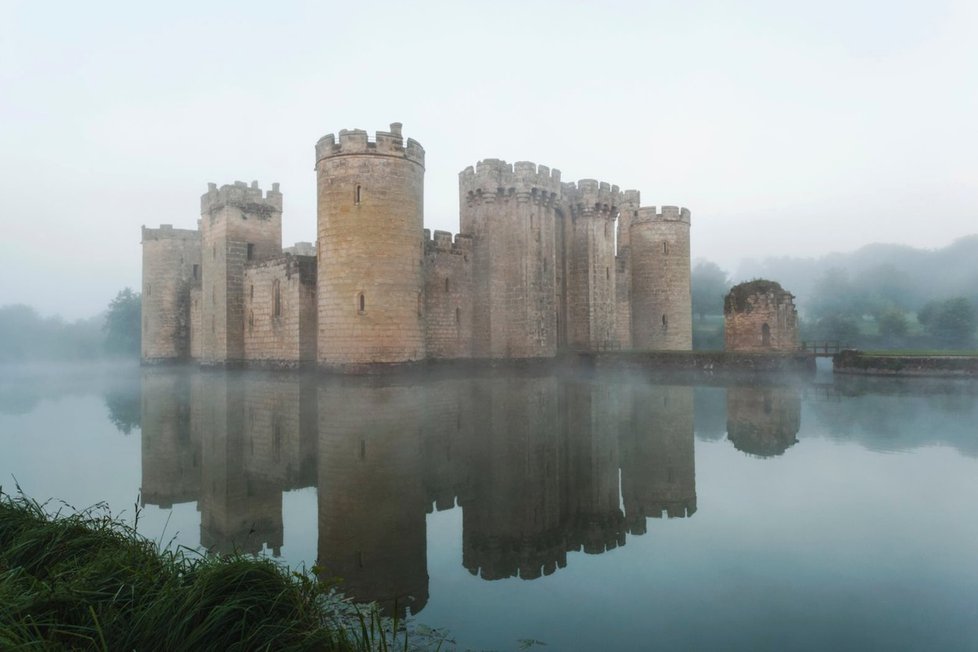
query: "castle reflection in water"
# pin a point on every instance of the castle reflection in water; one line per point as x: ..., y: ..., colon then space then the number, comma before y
x: 539, y: 465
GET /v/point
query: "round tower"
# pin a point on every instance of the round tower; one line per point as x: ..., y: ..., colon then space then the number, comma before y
x: 370, y: 213
x: 662, y: 309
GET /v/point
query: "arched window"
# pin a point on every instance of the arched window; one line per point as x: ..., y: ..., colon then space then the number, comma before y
x: 765, y: 335
x: 361, y: 303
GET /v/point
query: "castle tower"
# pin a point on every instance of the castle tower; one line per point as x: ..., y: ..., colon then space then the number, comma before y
x: 171, y: 263
x: 371, y: 248
x: 238, y: 224
x: 587, y: 258
x: 662, y: 308
x: 630, y: 202
x: 760, y: 315
x: 509, y: 210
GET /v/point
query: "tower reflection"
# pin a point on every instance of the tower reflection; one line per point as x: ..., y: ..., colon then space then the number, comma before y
x: 540, y: 466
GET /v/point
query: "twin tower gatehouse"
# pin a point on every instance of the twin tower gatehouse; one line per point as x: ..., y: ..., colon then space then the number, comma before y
x: 540, y: 267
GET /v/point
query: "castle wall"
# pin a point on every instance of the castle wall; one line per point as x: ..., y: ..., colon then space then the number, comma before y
x: 238, y: 225
x: 509, y: 212
x: 170, y: 259
x: 589, y: 265
x: 448, y: 295
x: 630, y: 202
x: 766, y: 321
x: 370, y: 248
x: 196, y: 337
x: 280, y: 311
x: 661, y: 302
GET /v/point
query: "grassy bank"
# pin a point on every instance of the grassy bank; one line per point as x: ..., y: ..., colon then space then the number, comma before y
x: 88, y: 581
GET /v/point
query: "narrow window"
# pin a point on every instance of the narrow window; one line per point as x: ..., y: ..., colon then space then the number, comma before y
x: 276, y: 299
x: 196, y: 272
x: 765, y: 335
x: 214, y: 252
x: 251, y: 251
x: 665, y: 322
x: 252, y: 291
x: 665, y: 247
x: 356, y: 197
x: 363, y: 449
x: 458, y: 316
x: 149, y: 289
x: 607, y: 273
x: 446, y: 285
x: 361, y: 303
x: 251, y: 320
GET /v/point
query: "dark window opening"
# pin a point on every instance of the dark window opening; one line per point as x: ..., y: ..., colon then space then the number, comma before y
x: 607, y: 273
x: 458, y: 316
x: 766, y: 335
x: 356, y: 197
x: 665, y: 247
x: 276, y: 299
x: 251, y: 251
x: 446, y: 285
x: 361, y: 303
x: 196, y: 272
x: 665, y: 322
x: 252, y: 292
x: 363, y: 449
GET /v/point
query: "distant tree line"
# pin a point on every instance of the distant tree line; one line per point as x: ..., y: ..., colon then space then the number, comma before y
x: 26, y: 336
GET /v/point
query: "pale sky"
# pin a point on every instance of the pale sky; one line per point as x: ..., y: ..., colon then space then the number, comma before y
x: 786, y: 128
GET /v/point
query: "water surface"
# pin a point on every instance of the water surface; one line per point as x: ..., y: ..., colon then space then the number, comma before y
x: 609, y: 511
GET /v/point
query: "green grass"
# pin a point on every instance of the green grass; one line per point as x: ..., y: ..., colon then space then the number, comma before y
x: 923, y: 353
x: 88, y: 581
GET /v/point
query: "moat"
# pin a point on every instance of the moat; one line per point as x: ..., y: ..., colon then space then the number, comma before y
x: 595, y: 510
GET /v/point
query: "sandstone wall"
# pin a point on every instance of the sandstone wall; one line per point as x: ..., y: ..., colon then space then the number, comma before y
x: 509, y: 212
x: 280, y: 311
x: 766, y: 321
x: 661, y: 302
x: 448, y: 296
x: 171, y: 259
x: 590, y: 309
x: 630, y: 202
x: 370, y: 248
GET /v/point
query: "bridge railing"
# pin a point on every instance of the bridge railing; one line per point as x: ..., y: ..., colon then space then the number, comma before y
x: 822, y: 347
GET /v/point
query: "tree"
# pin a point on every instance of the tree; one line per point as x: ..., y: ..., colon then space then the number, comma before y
x: 709, y: 284
x: 951, y: 323
x: 893, y: 326
x: 122, y: 323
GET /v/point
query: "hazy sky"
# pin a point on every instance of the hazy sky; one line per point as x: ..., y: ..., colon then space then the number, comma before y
x: 785, y: 127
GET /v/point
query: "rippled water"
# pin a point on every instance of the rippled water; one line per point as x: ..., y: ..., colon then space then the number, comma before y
x: 609, y: 511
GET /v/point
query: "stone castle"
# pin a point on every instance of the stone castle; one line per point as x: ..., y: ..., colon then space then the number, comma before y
x: 540, y: 267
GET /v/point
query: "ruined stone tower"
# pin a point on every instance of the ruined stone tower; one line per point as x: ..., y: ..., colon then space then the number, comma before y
x: 661, y: 303
x: 509, y: 210
x: 238, y: 224
x: 371, y: 248
x: 760, y: 315
x: 171, y: 265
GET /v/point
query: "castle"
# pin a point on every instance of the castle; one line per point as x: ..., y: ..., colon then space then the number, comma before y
x: 540, y: 267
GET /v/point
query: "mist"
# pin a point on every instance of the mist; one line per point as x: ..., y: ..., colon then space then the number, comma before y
x: 786, y: 130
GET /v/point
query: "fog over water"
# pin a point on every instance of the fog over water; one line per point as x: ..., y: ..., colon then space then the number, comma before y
x: 786, y: 129
x: 608, y: 510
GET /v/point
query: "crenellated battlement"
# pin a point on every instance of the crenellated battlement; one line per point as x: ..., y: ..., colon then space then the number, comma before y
x: 249, y: 199
x: 493, y: 179
x: 592, y: 197
x: 356, y: 142
x: 442, y: 241
x: 667, y: 214
x: 167, y: 232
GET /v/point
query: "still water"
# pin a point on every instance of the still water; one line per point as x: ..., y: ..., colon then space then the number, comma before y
x: 608, y: 511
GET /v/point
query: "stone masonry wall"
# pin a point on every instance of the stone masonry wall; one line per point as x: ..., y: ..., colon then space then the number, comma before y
x: 766, y: 320
x: 448, y: 296
x: 280, y: 311
x: 660, y: 299
x: 591, y: 273
x: 370, y: 248
x: 509, y: 210
x: 238, y: 225
x: 171, y: 258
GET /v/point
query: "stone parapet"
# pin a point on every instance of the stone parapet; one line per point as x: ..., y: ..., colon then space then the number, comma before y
x: 240, y: 195
x: 356, y: 141
x: 493, y: 179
